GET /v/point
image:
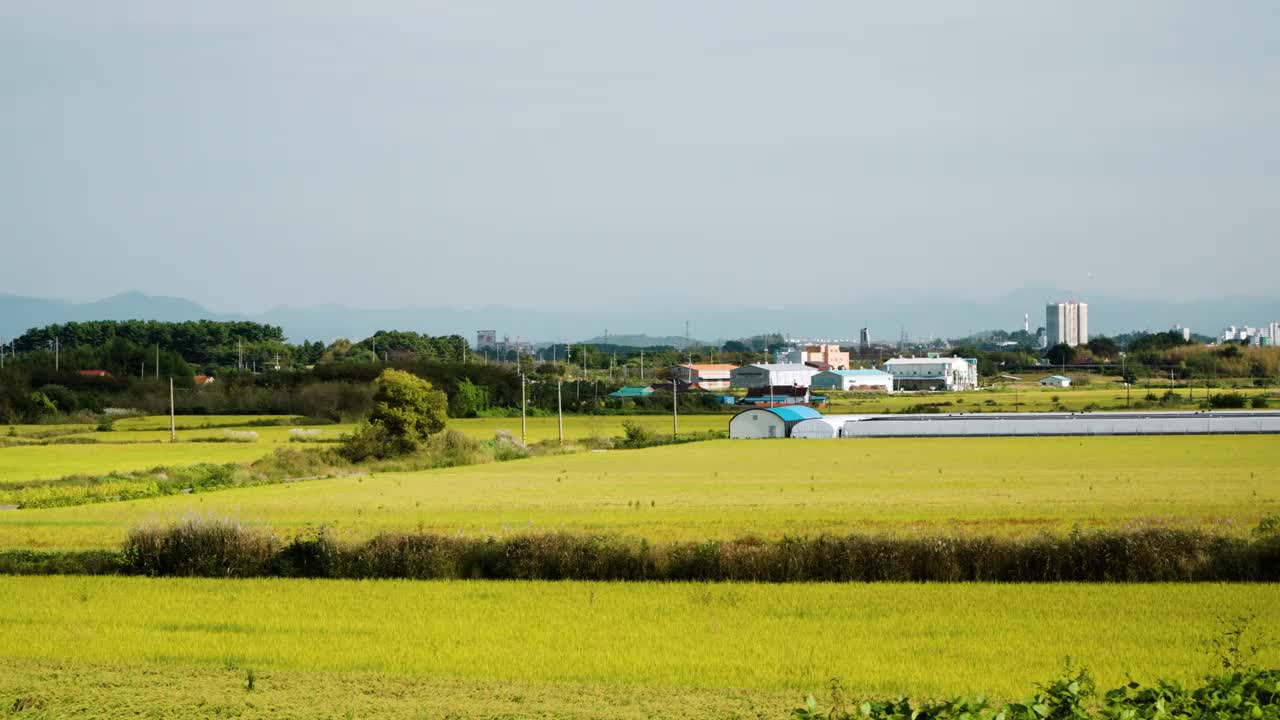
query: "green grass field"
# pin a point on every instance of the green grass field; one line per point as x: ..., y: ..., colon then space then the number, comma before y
x: 769, y: 643
x: 732, y: 488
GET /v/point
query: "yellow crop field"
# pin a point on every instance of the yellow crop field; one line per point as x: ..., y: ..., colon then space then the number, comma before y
x: 733, y: 488
x: 767, y: 643
x: 40, y: 462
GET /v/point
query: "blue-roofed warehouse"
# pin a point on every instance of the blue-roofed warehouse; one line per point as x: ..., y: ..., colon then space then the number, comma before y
x: 775, y: 422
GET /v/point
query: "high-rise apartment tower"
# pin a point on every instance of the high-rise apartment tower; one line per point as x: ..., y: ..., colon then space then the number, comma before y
x: 1067, y: 323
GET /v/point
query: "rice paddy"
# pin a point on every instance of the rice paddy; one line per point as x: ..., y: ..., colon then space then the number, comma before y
x: 769, y: 641
x: 106, y: 647
x: 732, y: 488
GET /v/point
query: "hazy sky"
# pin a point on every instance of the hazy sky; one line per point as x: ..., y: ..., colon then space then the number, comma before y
x: 549, y: 153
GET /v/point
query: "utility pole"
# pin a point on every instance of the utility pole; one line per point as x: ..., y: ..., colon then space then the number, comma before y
x: 675, y: 412
x: 642, y: 364
x: 524, y: 429
x: 173, y: 422
x: 239, y: 355
x: 560, y: 408
x: 57, y: 345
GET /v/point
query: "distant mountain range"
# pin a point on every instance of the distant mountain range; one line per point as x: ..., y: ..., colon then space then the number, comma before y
x: 920, y: 315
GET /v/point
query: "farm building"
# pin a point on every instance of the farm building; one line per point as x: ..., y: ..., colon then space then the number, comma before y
x: 854, y: 380
x: 777, y: 395
x: 769, y: 422
x: 763, y: 374
x: 1049, y: 424
x: 704, y: 375
x: 632, y: 391
x: 822, y: 428
x: 933, y: 373
x: 1056, y: 381
x: 824, y: 356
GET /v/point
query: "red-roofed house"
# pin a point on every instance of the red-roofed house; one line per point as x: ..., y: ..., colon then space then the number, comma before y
x: 94, y: 373
x: 202, y: 380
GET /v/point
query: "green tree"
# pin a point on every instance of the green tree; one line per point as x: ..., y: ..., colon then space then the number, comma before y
x: 1103, y: 346
x: 1062, y: 354
x: 406, y: 410
x: 468, y: 400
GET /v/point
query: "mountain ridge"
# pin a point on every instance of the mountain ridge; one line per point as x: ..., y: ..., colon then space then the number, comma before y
x: 921, y: 315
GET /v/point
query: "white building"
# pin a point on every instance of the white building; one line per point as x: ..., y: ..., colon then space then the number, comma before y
x: 823, y: 428
x: 933, y: 373
x: 1056, y: 381
x: 762, y: 374
x: 853, y: 380
x: 1239, y: 334
x: 1067, y: 323
x: 706, y: 376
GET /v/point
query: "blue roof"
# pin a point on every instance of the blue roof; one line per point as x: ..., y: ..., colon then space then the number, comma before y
x: 1057, y: 377
x: 795, y: 412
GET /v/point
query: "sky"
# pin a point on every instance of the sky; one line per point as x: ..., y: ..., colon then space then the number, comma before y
x: 560, y: 153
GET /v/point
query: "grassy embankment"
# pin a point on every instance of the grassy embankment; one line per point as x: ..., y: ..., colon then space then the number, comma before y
x: 729, y: 489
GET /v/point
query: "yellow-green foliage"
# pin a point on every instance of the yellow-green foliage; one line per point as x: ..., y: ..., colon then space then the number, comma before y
x: 878, y: 639
x: 577, y: 427
x: 49, y: 690
x: 733, y: 488
x: 41, y: 462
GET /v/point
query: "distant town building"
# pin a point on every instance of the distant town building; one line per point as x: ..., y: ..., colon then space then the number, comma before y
x: 820, y: 356
x: 1239, y: 334
x: 772, y: 374
x: 1056, y: 381
x: 1067, y: 323
x: 853, y: 380
x: 830, y: 355
x: 1184, y: 332
x: 704, y: 375
x: 933, y: 373
x: 864, y: 340
x: 486, y: 339
x: 1272, y: 336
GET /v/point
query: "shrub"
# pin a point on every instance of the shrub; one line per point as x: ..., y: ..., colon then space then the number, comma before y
x: 506, y: 447
x: 1228, y: 401
x: 199, y: 547
x: 636, y: 435
x: 1260, y: 401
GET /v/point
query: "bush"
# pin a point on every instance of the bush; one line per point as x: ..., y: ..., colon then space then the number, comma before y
x: 1233, y: 401
x: 1260, y: 401
x: 199, y: 547
x: 220, y: 548
x: 1246, y: 694
x: 636, y: 435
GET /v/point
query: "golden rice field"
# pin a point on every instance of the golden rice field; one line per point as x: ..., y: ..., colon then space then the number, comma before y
x: 44, y: 462
x: 733, y: 488
x: 532, y: 646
